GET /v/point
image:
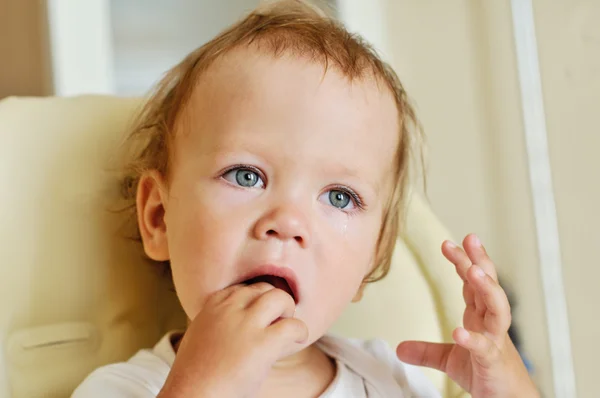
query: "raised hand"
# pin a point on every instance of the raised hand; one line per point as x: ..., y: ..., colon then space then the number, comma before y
x: 483, y: 360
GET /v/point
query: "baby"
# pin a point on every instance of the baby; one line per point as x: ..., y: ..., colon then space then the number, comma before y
x: 271, y: 181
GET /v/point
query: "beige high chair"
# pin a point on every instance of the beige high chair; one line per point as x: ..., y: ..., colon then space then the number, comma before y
x: 75, y: 294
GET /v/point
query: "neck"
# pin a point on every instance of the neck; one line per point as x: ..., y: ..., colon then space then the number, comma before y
x: 301, y: 359
x: 310, y: 368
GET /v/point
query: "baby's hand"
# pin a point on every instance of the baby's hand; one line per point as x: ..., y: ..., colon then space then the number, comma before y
x: 484, y: 361
x: 232, y: 343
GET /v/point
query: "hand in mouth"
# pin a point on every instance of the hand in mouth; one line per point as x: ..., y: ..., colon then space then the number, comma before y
x: 280, y: 277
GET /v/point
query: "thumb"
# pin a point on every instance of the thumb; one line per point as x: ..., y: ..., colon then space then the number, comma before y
x: 286, y: 334
x: 422, y: 353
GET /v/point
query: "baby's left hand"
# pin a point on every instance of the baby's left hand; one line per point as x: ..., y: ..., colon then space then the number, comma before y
x: 484, y: 361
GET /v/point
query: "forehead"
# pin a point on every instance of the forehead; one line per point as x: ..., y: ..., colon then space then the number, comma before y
x: 292, y: 109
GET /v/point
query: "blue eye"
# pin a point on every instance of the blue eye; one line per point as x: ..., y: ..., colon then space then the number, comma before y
x: 244, y: 177
x: 339, y: 199
x: 343, y: 198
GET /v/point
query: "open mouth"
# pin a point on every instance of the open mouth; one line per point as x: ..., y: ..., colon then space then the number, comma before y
x: 276, y: 281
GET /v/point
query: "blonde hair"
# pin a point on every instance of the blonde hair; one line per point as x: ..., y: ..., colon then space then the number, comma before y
x: 280, y: 28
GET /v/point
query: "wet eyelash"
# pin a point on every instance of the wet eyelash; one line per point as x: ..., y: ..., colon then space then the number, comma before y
x: 358, y: 201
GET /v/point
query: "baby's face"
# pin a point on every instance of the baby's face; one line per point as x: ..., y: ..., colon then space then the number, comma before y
x: 279, y: 170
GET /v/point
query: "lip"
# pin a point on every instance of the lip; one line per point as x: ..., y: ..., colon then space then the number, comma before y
x: 282, y: 272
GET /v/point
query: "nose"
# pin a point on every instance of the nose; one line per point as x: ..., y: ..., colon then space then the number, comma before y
x: 285, y: 223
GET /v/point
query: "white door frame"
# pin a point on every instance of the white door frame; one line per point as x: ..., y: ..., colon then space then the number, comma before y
x: 544, y: 206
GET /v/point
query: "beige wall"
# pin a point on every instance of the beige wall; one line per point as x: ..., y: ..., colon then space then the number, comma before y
x: 458, y: 62
x: 25, y: 66
x: 569, y: 43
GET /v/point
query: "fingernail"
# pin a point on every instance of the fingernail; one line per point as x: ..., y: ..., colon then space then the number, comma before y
x: 476, y: 240
x: 480, y: 273
x: 451, y: 244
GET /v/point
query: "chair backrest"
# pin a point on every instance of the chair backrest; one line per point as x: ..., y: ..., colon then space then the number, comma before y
x: 75, y: 294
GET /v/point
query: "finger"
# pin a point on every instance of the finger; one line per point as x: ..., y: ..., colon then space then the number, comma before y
x: 479, y: 304
x: 497, y: 309
x: 462, y: 263
x: 222, y: 295
x: 421, y: 353
x: 478, y: 255
x: 469, y: 295
x: 246, y: 294
x: 484, y: 350
x: 288, y: 331
x: 272, y: 305
x: 458, y: 257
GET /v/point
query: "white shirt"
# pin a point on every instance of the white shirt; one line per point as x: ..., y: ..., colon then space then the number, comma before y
x: 365, y: 369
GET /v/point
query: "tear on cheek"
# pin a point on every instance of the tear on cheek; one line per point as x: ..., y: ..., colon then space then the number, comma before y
x: 339, y: 223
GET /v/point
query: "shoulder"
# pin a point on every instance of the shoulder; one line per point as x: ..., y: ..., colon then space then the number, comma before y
x: 408, y: 377
x: 141, y: 376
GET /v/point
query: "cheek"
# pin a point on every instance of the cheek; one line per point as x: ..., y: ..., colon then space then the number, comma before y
x: 353, y: 239
x: 202, y: 231
x: 345, y: 260
x: 347, y: 254
x: 205, y: 217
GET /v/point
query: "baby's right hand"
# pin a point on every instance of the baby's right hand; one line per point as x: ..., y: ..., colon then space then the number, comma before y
x: 230, y: 346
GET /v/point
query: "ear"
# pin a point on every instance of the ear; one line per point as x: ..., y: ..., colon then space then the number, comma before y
x: 359, y: 293
x: 151, y: 198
